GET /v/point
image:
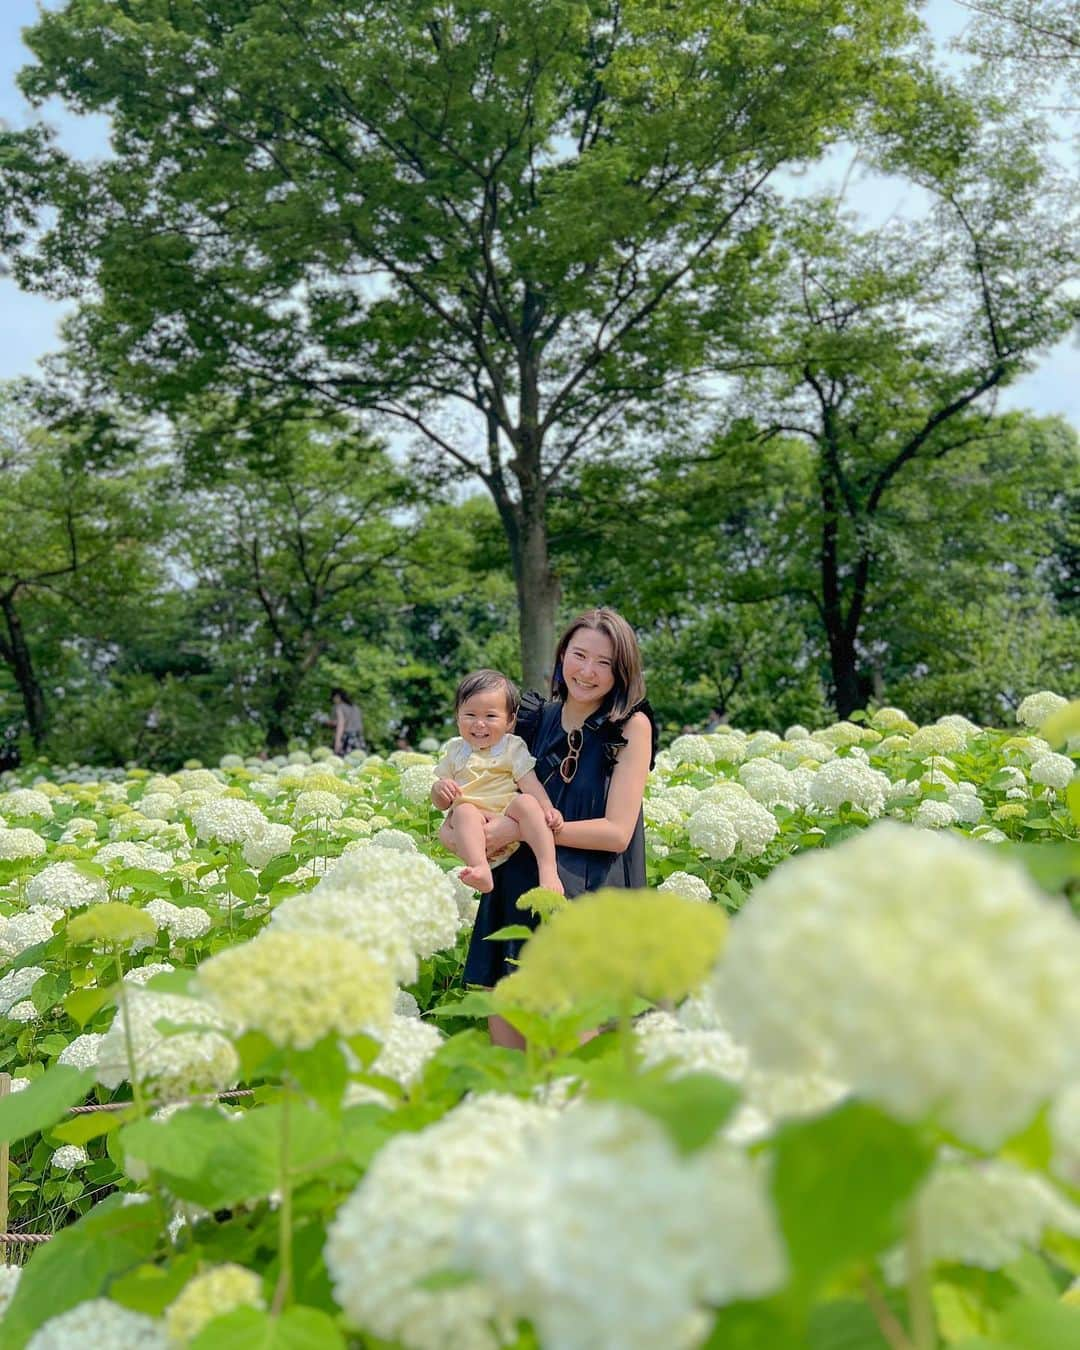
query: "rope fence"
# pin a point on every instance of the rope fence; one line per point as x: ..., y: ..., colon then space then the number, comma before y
x: 32, y: 1239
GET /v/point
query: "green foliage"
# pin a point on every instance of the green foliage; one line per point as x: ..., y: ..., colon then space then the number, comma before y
x: 44, y: 1102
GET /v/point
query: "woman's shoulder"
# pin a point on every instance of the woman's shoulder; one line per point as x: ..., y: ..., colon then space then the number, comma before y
x: 638, y: 725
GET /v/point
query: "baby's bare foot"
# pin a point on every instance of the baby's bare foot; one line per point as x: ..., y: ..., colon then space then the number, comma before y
x: 551, y: 881
x: 479, y: 878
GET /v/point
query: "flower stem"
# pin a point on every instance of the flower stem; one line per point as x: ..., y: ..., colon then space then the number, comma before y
x: 888, y: 1323
x: 283, y: 1290
x: 129, y: 1040
x: 920, y: 1303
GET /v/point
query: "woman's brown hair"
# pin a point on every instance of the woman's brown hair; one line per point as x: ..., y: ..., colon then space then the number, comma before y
x: 626, y: 660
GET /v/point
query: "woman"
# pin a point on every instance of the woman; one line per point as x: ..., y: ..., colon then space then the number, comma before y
x: 348, y: 724
x: 594, y: 744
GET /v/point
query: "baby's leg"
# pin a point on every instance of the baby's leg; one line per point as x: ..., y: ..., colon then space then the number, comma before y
x: 529, y: 815
x: 463, y: 833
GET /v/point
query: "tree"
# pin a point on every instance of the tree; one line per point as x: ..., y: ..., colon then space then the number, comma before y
x: 1039, y: 40
x: 291, y: 562
x: 515, y: 227
x: 71, y: 551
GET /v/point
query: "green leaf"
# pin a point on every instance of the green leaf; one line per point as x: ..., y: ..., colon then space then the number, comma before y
x: 50, y: 989
x: 111, y: 922
x: 39, y: 1106
x: 321, y: 1072
x: 1039, y: 1324
x: 691, y: 1108
x: 80, y: 1262
x: 139, y: 878
x: 298, y: 1328
x: 841, y: 1183
x: 242, y: 884
x: 91, y: 1125
x: 275, y: 869
x: 150, y: 1289
x: 1061, y: 725
x: 172, y: 982
x: 84, y: 1003
x: 513, y: 932
x: 475, y: 1003
x: 1051, y: 866
x: 1072, y: 800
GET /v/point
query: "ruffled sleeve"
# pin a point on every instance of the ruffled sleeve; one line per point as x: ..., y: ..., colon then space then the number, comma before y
x: 521, y: 762
x: 612, y: 733
x: 528, y: 718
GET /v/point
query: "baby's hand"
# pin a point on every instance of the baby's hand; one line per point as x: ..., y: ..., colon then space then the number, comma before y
x: 553, y: 819
x: 444, y: 792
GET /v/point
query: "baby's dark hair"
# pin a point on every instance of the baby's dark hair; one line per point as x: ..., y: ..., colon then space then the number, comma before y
x: 480, y: 680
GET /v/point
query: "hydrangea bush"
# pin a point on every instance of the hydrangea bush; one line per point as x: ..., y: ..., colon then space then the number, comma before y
x: 250, y: 1102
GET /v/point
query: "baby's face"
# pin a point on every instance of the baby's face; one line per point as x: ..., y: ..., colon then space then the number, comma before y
x: 484, y: 719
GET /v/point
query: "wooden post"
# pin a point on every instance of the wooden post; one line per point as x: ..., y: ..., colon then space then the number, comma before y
x: 5, y: 1153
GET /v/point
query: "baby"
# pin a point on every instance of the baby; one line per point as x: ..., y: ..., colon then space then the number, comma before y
x: 479, y: 777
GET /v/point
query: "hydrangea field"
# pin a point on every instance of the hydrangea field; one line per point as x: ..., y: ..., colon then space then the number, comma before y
x: 834, y: 1101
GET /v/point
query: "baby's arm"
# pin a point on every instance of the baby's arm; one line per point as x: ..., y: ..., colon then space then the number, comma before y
x: 530, y: 784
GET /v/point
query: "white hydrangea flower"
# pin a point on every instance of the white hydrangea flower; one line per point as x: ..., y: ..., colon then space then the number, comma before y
x: 23, y: 1012
x: 198, y: 780
x: 685, y: 884
x: 20, y: 843
x: 839, y: 735
x: 891, y: 745
x: 9, y: 1282
x: 892, y: 719
x: 170, y: 1063
x: 755, y: 827
x: 767, y: 782
x: 849, y: 780
x: 298, y: 987
x: 129, y: 854
x: 761, y: 743
x: 144, y: 974
x: 63, y: 886
x: 229, y: 820
x: 100, y: 1322
x: 25, y: 802
x: 966, y: 728
x: 796, y: 732
x: 185, y: 923
x: 934, y: 815
x: 1055, y: 771
x: 405, y: 1004
x: 82, y: 1052
x: 988, y: 834
x: 711, y: 832
x: 17, y: 984
x: 849, y: 961
x: 419, y: 890
x: 69, y: 1157
x: 983, y: 1213
x: 78, y: 828
x: 429, y: 746
x: 466, y: 899
x: 395, y: 839
x: 605, y: 1238
x: 727, y: 746
x: 407, y: 1045
x: 274, y: 841
x: 935, y: 740
x: 158, y: 805
x: 401, y: 1224
x: 316, y: 805
x: 416, y: 783
x: 210, y: 1294
x: 661, y: 811
x: 1036, y: 708
x: 373, y: 920
x: 969, y: 808
x: 682, y: 796
x: 692, y: 749
x: 27, y: 929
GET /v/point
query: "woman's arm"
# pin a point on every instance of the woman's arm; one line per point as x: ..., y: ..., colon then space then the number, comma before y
x: 611, y: 832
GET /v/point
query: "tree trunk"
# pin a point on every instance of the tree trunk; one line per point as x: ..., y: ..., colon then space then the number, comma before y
x: 538, y: 599
x: 16, y: 653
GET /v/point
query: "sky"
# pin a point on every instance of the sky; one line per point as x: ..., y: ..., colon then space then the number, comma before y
x: 28, y: 323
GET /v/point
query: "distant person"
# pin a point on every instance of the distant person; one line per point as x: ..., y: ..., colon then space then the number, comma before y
x: 717, y: 718
x: 348, y: 723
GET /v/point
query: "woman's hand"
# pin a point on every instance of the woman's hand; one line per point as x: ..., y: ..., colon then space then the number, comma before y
x: 498, y: 832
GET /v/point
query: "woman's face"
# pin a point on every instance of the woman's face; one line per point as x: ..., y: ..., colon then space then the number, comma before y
x: 588, y: 666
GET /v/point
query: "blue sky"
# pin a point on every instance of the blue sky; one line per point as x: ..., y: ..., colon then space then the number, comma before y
x: 28, y: 323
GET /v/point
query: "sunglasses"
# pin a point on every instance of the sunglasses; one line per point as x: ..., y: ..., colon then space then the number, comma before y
x: 568, y: 767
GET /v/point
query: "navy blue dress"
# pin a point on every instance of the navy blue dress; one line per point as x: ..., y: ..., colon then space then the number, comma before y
x: 539, y: 724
